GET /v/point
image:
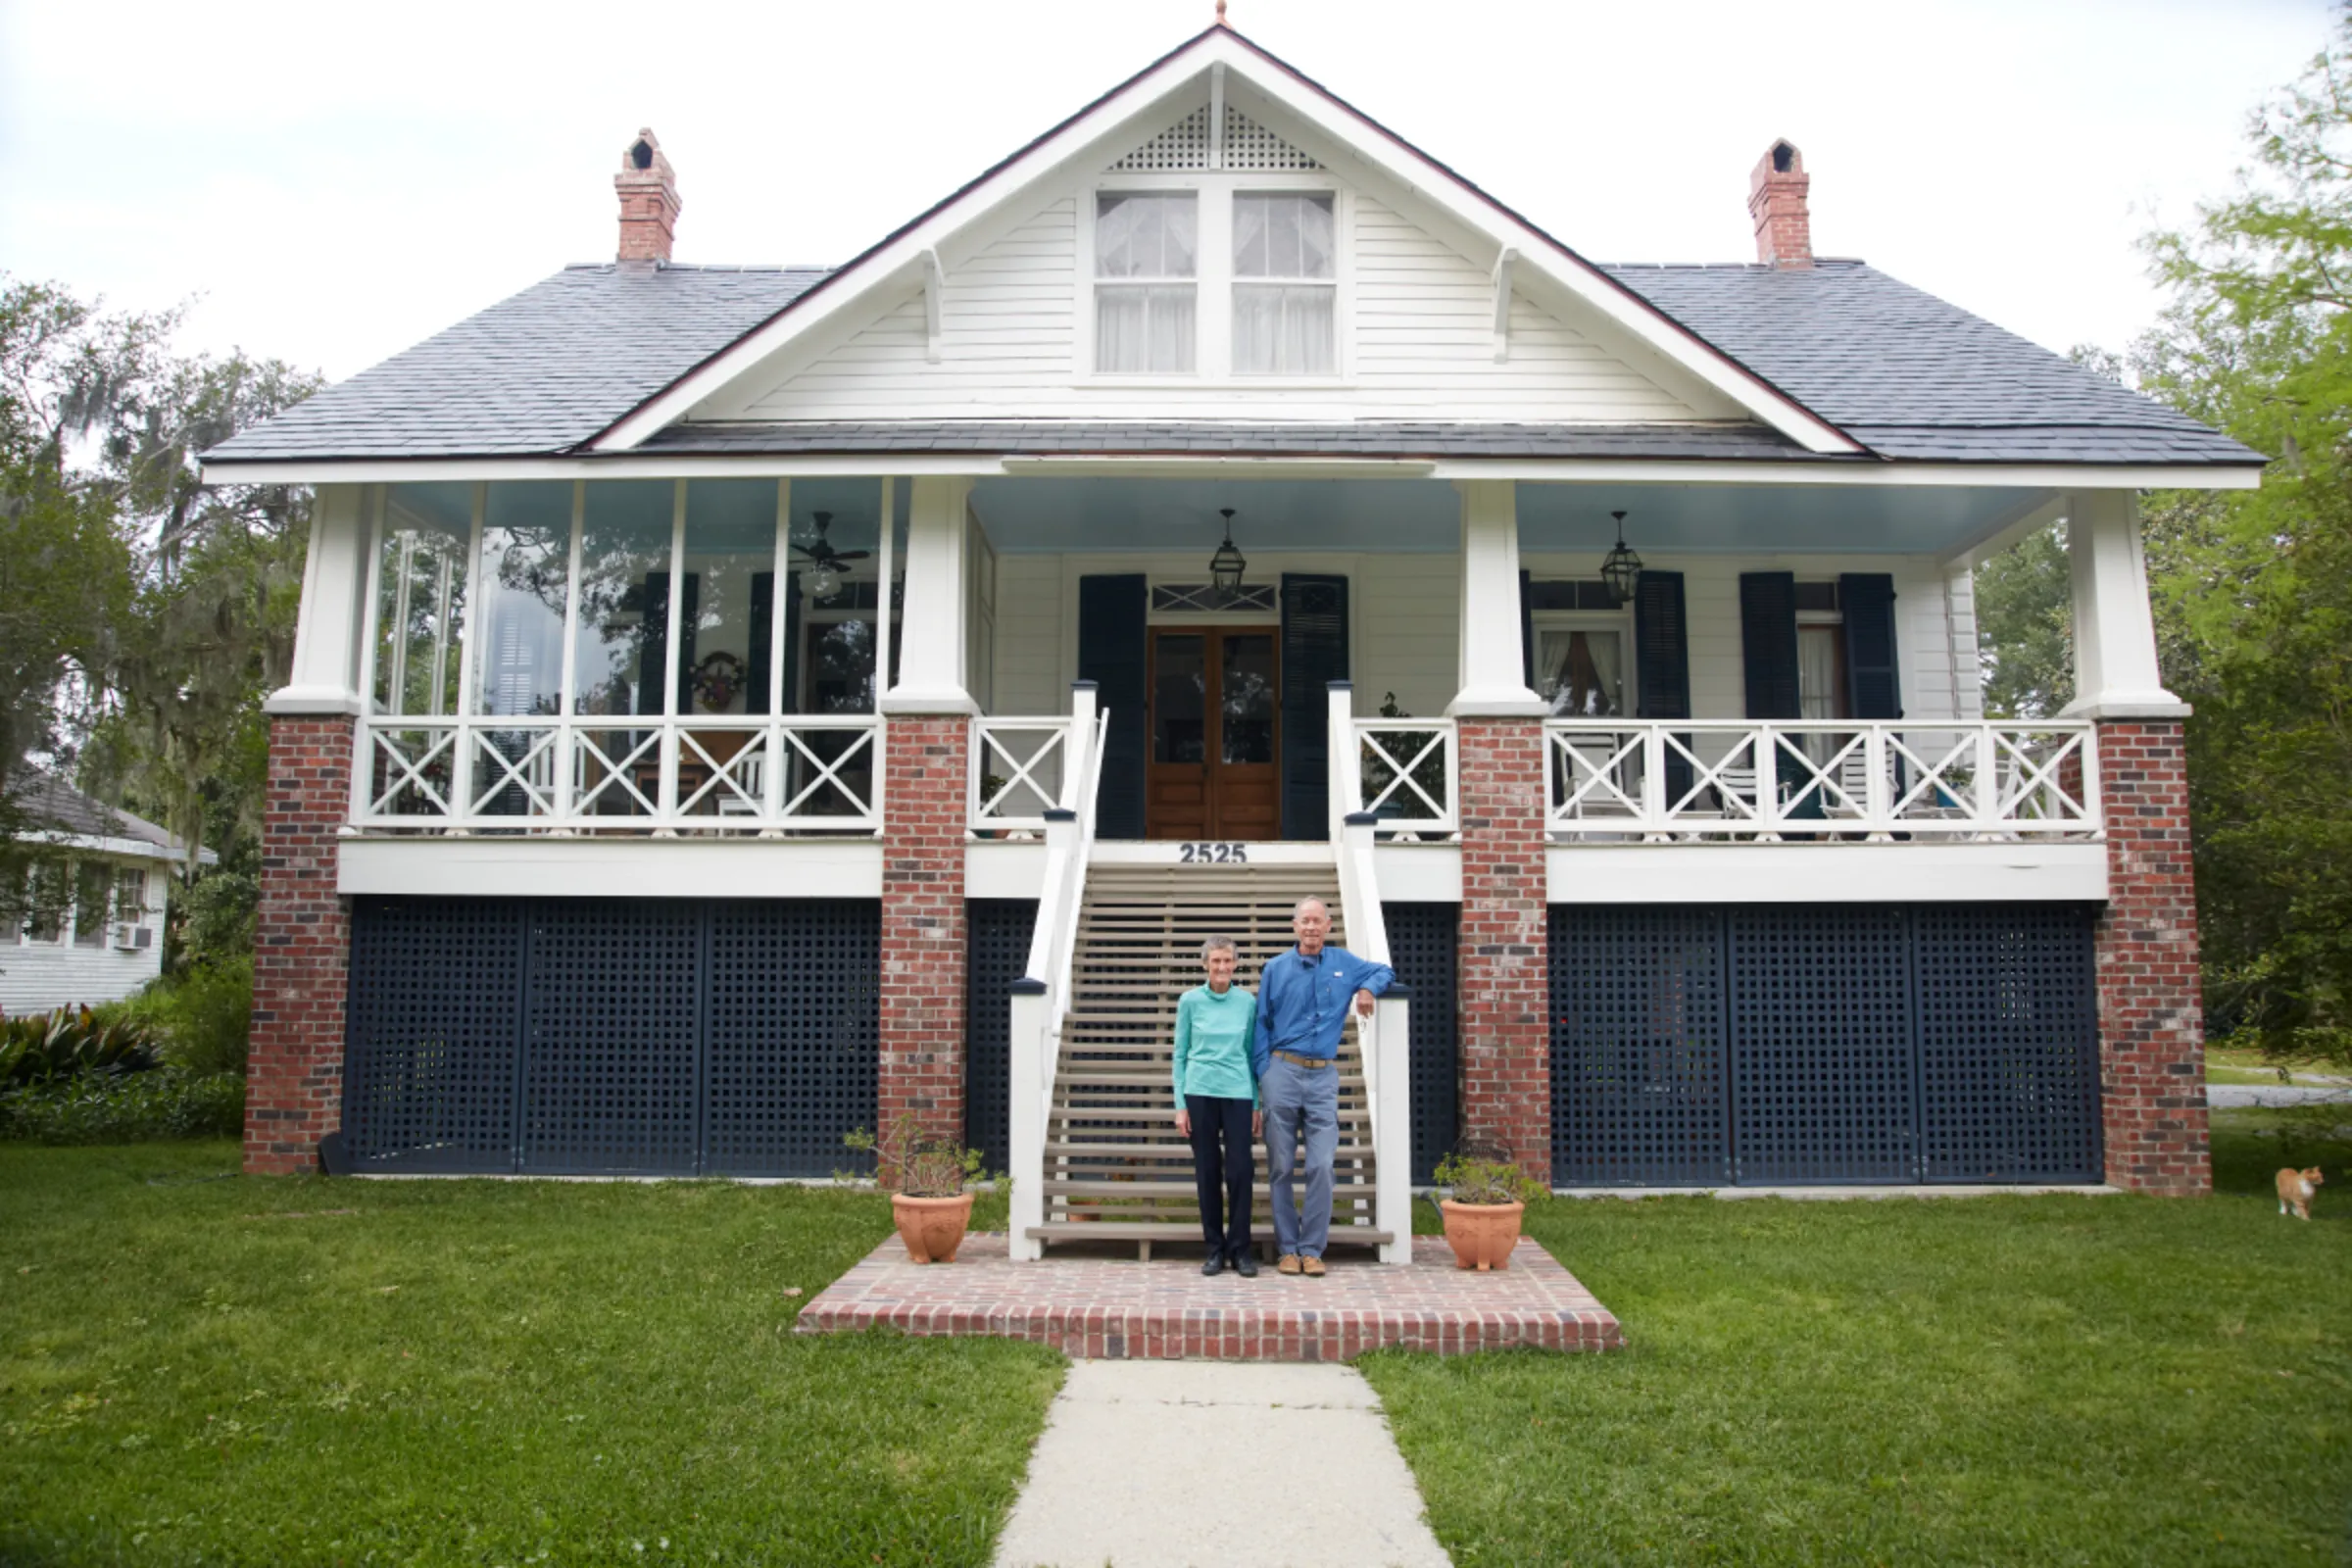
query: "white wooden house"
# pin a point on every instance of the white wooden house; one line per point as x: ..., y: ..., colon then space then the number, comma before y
x: 99, y: 936
x: 717, y: 687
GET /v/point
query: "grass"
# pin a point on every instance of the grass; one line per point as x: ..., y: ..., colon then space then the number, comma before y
x: 201, y: 1367
x: 2030, y: 1380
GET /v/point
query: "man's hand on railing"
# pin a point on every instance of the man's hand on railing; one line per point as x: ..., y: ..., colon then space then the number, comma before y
x: 1363, y: 1004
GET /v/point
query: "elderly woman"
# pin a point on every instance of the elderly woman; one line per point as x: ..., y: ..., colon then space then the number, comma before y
x: 1217, y: 1105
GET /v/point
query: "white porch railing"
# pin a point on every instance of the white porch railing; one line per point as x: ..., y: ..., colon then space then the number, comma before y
x: 1407, y: 773
x: 1772, y: 781
x: 1020, y: 768
x: 600, y: 773
x: 1384, y: 1037
x: 1042, y: 996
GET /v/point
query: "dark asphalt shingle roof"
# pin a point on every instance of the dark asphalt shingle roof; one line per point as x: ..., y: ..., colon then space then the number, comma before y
x: 52, y: 806
x: 1365, y: 439
x: 538, y: 372
x: 1909, y: 375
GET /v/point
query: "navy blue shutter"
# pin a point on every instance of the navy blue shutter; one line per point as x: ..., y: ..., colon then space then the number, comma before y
x: 764, y: 636
x: 1768, y: 644
x: 654, y: 648
x: 1314, y: 654
x: 1111, y: 614
x: 1662, y: 662
x: 1873, y: 683
x: 1526, y: 633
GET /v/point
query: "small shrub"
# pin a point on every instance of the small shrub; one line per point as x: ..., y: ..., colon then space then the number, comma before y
x: 103, y: 1109
x: 917, y: 1163
x: 200, y: 1018
x: 72, y: 1041
x: 1472, y: 1179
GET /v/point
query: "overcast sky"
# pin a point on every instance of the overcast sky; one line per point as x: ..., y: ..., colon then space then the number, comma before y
x: 333, y: 182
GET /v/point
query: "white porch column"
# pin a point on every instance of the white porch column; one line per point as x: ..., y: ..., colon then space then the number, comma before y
x: 2115, y: 631
x: 1494, y: 665
x: 326, y: 673
x: 931, y: 645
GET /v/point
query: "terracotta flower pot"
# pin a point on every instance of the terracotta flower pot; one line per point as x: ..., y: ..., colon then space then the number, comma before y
x: 931, y: 1227
x: 1482, y: 1235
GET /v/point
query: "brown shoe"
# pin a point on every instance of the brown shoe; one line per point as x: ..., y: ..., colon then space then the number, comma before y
x: 1311, y: 1267
x: 1288, y: 1263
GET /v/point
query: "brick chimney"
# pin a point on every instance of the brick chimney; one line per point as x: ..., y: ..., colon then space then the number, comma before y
x: 648, y: 201
x: 1775, y: 200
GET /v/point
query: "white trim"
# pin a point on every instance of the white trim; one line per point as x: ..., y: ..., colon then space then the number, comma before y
x: 1824, y: 874
x: 1503, y: 304
x: 603, y: 868
x: 1541, y: 470
x: 1380, y: 150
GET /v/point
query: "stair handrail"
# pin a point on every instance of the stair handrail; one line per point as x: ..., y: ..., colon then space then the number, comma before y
x: 1382, y: 1039
x: 1042, y: 996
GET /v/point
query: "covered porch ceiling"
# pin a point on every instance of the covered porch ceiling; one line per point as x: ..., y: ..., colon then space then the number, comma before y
x: 1093, y: 515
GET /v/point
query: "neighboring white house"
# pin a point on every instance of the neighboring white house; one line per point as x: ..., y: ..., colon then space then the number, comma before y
x: 109, y: 939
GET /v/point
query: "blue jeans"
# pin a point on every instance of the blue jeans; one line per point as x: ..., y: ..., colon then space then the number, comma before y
x: 1303, y: 1104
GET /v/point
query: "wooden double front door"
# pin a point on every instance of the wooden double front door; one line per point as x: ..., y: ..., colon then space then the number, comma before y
x: 1215, y: 717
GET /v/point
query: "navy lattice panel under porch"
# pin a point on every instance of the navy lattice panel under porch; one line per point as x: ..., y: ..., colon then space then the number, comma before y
x: 793, y: 1047
x: 997, y: 953
x: 2009, y: 1043
x: 1421, y: 949
x: 1823, y: 1081
x: 1638, y: 1081
x: 611, y: 1036
x: 431, y: 1028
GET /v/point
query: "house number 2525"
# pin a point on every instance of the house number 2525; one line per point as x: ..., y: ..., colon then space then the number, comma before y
x: 1212, y: 854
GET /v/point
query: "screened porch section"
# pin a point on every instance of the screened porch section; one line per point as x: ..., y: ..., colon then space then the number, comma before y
x: 684, y: 656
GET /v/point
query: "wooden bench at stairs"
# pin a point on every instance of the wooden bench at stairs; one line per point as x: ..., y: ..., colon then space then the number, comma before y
x: 1116, y: 1171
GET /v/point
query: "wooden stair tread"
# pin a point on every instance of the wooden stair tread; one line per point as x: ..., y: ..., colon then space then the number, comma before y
x: 1111, y: 1230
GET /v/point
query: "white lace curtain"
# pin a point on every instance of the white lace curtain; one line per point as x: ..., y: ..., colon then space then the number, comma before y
x: 1288, y: 328
x: 1145, y: 326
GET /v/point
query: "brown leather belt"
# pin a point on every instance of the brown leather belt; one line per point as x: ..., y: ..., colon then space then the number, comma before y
x: 1297, y: 1060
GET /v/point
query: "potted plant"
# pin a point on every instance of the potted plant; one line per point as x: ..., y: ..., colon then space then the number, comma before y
x: 1487, y: 1196
x: 925, y: 1174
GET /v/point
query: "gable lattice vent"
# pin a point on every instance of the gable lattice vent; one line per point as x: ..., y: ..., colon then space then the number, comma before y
x: 1250, y: 145
x: 1183, y: 145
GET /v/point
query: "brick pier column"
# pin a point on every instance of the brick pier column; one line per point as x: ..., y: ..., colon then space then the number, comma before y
x: 1502, y: 960
x: 923, y: 921
x: 301, y: 949
x: 2151, y: 1019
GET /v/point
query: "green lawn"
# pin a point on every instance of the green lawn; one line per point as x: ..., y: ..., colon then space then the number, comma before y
x: 284, y: 1372
x: 2030, y: 1380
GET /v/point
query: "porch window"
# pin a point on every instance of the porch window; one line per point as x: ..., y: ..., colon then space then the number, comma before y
x: 1581, y: 670
x: 93, y: 901
x: 1146, y: 297
x: 420, y: 598
x: 1820, y: 670
x: 1286, y: 283
x: 525, y: 574
x: 620, y: 645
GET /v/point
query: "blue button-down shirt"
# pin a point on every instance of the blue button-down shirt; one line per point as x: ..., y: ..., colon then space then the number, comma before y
x: 1302, y: 1003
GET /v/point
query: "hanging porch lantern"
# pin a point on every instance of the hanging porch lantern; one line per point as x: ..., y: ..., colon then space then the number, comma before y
x: 1622, y: 569
x: 1225, y: 568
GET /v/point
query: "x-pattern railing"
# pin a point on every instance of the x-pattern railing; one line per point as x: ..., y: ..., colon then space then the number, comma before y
x: 1020, y: 767
x: 599, y: 772
x: 1674, y: 780
x: 1410, y: 773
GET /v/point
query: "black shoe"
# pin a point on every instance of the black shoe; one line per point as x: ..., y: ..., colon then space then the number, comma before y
x: 1214, y: 1264
x: 1245, y: 1264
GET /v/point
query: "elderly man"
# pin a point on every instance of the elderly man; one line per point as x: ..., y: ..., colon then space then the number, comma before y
x: 1302, y: 1001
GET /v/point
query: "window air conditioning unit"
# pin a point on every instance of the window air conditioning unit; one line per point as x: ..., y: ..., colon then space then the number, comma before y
x: 134, y: 938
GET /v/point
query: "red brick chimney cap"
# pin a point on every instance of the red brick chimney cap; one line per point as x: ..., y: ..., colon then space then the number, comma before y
x: 643, y: 159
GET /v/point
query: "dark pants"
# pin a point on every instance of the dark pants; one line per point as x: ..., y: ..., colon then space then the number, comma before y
x: 1221, y: 1153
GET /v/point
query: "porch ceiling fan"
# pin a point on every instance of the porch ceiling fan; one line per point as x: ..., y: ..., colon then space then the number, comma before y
x: 825, y: 562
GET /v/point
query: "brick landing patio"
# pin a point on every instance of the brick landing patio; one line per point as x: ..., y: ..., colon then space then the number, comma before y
x: 1116, y: 1308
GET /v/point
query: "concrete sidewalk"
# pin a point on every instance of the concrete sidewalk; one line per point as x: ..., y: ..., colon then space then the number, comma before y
x: 1197, y: 1465
x: 2273, y: 1096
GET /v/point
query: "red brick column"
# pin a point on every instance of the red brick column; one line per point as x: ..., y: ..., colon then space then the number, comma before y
x: 2151, y: 1020
x: 923, y: 921
x: 1502, y: 961
x: 301, y: 949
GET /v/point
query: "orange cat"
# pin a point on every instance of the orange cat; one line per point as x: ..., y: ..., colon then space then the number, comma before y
x: 2296, y: 1189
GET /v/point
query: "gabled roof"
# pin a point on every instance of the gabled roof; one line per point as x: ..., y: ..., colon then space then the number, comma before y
x: 1835, y: 362
x: 57, y: 809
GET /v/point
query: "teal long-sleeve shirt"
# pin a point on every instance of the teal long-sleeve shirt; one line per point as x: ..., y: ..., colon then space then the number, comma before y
x: 1213, y: 1044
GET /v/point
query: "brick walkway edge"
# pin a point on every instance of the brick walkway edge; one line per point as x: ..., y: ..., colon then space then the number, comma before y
x: 1116, y: 1309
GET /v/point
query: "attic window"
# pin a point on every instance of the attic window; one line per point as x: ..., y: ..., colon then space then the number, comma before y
x: 1147, y: 257
x: 1284, y: 269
